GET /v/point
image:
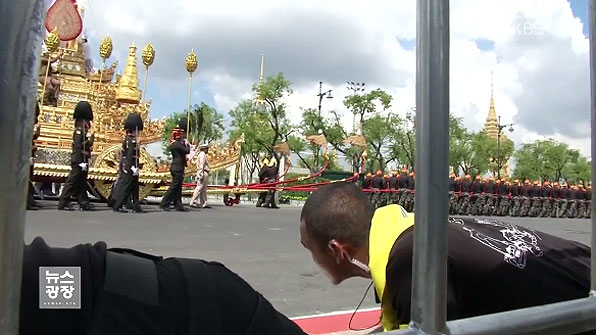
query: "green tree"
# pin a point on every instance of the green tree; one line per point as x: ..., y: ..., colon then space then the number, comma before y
x: 206, y: 125
x: 257, y: 134
x: 367, y: 103
x: 378, y: 132
x: 548, y: 160
x: 580, y: 170
x: 402, y: 139
x: 273, y: 92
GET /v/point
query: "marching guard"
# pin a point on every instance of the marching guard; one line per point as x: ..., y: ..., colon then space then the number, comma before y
x: 179, y: 148
x: 129, y: 183
x: 76, y: 182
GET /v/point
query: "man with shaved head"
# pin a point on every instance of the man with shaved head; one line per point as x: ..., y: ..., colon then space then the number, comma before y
x: 493, y: 266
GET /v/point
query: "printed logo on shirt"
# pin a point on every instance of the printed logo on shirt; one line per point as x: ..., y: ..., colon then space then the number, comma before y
x: 60, y: 287
x: 514, y: 243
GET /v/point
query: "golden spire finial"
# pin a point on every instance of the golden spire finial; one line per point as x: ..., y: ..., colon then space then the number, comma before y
x: 128, y: 86
x: 491, y: 126
x: 260, y: 98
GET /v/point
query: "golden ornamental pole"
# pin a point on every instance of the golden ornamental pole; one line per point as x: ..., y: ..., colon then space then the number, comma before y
x: 191, y: 66
x: 105, y: 50
x: 148, y: 57
x: 52, y: 43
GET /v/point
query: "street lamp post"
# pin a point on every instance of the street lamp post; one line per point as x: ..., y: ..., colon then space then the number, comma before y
x: 321, y: 95
x: 501, y: 127
x: 355, y: 88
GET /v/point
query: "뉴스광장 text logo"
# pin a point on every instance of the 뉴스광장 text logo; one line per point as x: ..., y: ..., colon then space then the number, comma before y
x: 59, y: 287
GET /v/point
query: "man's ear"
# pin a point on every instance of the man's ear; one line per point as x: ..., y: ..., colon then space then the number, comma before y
x: 337, y: 250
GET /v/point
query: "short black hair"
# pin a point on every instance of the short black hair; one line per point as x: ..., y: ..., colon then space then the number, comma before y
x: 338, y: 211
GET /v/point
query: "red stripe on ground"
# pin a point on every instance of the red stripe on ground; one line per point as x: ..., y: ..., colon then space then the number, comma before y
x: 340, y: 322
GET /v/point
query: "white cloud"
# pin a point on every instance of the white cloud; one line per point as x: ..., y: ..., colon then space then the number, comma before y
x: 540, y: 55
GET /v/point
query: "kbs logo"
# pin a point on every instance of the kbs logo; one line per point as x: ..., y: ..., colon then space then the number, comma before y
x: 524, y: 26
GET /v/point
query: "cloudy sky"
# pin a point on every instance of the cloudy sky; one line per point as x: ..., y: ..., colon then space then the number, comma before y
x: 538, y: 50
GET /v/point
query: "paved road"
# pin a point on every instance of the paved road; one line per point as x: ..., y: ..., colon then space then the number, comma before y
x: 262, y: 245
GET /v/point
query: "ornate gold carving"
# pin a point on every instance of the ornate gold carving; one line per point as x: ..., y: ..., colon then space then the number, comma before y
x: 128, y: 85
x: 191, y: 62
x: 148, y: 55
x: 105, y: 48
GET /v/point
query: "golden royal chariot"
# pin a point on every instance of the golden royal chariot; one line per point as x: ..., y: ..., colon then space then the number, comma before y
x: 112, y: 98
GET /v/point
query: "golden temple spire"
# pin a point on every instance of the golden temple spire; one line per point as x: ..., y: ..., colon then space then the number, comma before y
x: 128, y: 86
x: 260, y: 98
x: 491, y: 126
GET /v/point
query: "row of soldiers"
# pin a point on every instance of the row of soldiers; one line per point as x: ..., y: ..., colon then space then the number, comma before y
x: 488, y: 197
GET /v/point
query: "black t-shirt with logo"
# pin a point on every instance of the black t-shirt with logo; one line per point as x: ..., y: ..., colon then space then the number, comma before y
x: 494, y: 266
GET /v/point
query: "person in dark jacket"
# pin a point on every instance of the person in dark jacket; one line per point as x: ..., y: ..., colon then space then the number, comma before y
x: 262, y: 180
x: 129, y: 187
x: 526, y: 200
x: 128, y: 292
x: 536, y: 195
x: 179, y: 149
x: 76, y: 182
x: 31, y: 203
x: 493, y: 266
x: 271, y: 176
x: 502, y: 203
x: 393, y: 185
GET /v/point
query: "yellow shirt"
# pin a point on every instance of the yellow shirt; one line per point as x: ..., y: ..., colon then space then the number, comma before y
x: 387, y: 224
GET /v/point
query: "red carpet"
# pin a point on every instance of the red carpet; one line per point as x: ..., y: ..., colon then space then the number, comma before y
x: 338, y: 321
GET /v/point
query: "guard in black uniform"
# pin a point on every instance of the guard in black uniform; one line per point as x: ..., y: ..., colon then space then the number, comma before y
x: 130, y: 169
x: 271, y: 176
x: 179, y: 149
x: 262, y: 180
x: 127, y: 292
x: 76, y: 182
x: 411, y: 199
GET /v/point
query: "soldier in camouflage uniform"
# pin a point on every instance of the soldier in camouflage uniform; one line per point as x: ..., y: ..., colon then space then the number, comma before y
x: 515, y: 198
x: 477, y: 197
x: 563, y: 201
x: 547, y: 194
x: 572, y: 202
x: 366, y: 185
x: 490, y: 192
x: 536, y: 196
x: 556, y: 198
x: 452, y: 195
x: 588, y: 201
x: 411, y: 193
x: 526, y: 201
x: 581, y: 199
x: 403, y: 182
x: 393, y: 186
x: 376, y: 185
x: 456, y: 193
x: 503, y: 190
x: 464, y: 196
